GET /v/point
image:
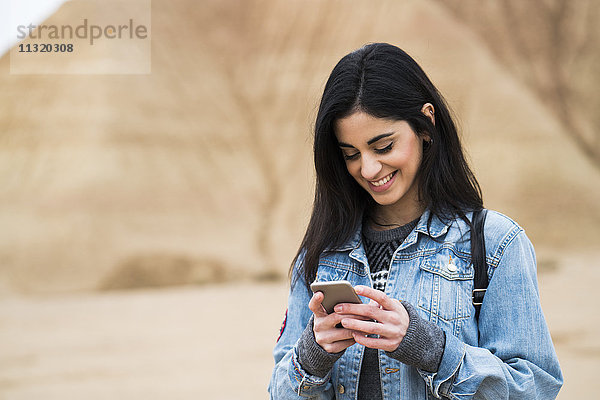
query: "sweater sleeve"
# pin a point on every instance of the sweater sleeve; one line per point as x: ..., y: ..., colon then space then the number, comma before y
x: 423, y: 344
x: 312, y: 357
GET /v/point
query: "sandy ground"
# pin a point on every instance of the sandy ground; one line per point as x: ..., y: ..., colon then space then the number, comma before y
x: 214, y: 342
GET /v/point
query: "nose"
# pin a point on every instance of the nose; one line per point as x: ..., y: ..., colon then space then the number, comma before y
x: 370, y: 167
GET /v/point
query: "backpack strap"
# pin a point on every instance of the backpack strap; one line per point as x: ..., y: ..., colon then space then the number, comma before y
x: 480, y: 281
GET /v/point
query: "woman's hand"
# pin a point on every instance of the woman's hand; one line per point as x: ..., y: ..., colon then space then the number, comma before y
x: 383, y: 316
x: 330, y: 338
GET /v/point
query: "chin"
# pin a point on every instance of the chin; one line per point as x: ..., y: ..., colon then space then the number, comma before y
x: 386, y: 200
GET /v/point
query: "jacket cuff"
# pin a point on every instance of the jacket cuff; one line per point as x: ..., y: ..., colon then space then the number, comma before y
x: 312, y: 357
x: 423, y: 345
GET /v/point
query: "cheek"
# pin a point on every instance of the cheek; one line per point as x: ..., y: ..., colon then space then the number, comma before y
x: 353, y: 169
x: 355, y: 173
x: 412, y: 160
x: 406, y: 161
x: 415, y: 162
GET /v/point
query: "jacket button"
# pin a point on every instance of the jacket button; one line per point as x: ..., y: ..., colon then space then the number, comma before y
x: 341, y: 389
x: 452, y: 267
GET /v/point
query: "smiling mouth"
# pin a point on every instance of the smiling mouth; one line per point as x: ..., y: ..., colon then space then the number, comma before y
x: 384, y: 180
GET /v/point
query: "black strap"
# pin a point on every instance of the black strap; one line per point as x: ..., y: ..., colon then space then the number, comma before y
x: 480, y: 281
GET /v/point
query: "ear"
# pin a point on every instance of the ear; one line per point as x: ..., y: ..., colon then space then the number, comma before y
x: 427, y: 140
x: 429, y: 111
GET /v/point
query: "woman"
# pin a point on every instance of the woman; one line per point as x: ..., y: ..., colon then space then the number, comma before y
x: 392, y: 214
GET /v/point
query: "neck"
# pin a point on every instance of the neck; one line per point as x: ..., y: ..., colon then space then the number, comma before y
x: 386, y: 217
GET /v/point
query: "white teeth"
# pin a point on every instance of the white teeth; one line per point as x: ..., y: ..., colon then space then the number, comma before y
x: 383, y: 181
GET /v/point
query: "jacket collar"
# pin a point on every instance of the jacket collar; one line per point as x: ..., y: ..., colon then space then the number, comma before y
x: 436, y: 229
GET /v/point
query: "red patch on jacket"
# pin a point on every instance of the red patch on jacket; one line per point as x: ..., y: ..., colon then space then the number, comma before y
x: 282, y: 326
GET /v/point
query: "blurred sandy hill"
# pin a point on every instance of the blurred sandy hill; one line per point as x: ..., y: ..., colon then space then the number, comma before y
x: 553, y: 47
x: 201, y: 171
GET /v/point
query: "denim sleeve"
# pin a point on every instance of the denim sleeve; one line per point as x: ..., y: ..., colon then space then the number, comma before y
x: 289, y: 380
x: 515, y: 358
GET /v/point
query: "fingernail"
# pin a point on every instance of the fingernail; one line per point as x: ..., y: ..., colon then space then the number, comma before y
x: 338, y: 308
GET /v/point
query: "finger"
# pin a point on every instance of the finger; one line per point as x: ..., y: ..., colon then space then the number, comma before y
x: 332, y: 335
x: 327, y: 322
x: 374, y: 343
x: 381, y: 298
x: 374, y: 303
x: 332, y: 320
x: 366, y: 327
x: 315, y: 304
x: 336, y: 347
x: 368, y: 311
x: 354, y: 316
x: 392, y: 324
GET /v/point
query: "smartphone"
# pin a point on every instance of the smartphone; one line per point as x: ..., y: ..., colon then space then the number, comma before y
x: 335, y: 292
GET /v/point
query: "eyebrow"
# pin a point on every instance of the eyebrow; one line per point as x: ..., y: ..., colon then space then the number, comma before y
x: 370, y: 141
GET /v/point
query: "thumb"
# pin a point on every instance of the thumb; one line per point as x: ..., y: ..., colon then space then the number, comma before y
x: 315, y: 305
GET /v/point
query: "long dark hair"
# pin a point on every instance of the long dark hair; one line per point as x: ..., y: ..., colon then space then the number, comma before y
x: 385, y: 82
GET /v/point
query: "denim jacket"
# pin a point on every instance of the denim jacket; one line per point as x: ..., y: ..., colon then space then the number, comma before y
x: 507, y: 354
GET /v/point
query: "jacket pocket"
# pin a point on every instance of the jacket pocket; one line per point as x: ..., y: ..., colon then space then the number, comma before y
x: 445, y: 287
x: 336, y: 267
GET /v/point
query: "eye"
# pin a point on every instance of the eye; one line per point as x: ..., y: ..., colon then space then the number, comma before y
x: 385, y: 149
x: 350, y: 156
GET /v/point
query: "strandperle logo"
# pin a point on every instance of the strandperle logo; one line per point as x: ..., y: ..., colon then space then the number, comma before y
x: 84, y: 37
x: 91, y: 32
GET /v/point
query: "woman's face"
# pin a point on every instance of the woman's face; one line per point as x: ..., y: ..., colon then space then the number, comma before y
x: 383, y: 156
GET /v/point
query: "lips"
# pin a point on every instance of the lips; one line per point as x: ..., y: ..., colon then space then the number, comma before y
x: 383, y: 183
